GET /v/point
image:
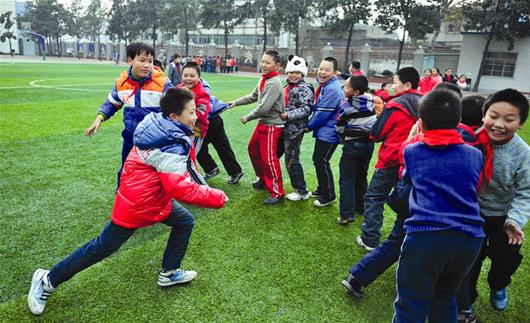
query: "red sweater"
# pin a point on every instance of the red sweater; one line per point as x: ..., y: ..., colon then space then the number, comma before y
x: 202, y: 102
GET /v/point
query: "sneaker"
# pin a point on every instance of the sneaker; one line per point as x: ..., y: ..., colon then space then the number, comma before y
x: 499, y: 299
x: 234, y: 179
x: 320, y: 202
x: 315, y: 193
x: 297, y: 196
x: 212, y: 173
x: 273, y: 200
x: 175, y: 276
x: 466, y: 317
x: 39, y: 291
x: 353, y: 286
x: 345, y: 220
x: 259, y: 185
x: 361, y: 243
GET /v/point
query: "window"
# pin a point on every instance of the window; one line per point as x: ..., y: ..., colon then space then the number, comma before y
x: 499, y: 64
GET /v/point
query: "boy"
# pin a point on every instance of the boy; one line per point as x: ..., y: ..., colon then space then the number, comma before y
x: 157, y: 172
x: 264, y: 142
x: 328, y: 97
x: 504, y: 196
x: 298, y: 94
x: 191, y: 80
x: 354, y: 70
x: 174, y: 72
x: 139, y: 90
x: 392, y: 128
x: 356, y: 118
x: 444, y: 232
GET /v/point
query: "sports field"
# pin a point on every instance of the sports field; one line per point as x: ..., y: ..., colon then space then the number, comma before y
x: 255, y: 263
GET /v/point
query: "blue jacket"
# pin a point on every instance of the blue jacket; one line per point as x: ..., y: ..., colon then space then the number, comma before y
x: 324, y: 118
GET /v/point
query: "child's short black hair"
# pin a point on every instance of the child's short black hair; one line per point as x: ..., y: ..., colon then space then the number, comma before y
x: 193, y: 65
x: 472, y: 110
x: 137, y: 48
x: 356, y: 65
x: 174, y: 101
x: 334, y: 61
x: 512, y: 97
x: 274, y: 54
x: 449, y: 86
x: 159, y: 64
x: 383, y: 85
x: 176, y: 56
x: 409, y: 74
x: 359, y: 83
x: 440, y: 109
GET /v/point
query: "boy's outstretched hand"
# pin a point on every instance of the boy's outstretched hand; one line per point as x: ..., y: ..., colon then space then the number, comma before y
x: 514, y: 233
x: 94, y: 127
x: 244, y: 119
x: 231, y: 104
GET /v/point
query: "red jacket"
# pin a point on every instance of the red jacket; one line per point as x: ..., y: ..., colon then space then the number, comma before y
x: 202, y: 102
x: 157, y: 173
x: 393, y: 127
x: 428, y: 83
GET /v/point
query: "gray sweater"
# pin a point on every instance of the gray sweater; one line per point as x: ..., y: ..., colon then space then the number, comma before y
x: 508, y: 193
x: 270, y: 102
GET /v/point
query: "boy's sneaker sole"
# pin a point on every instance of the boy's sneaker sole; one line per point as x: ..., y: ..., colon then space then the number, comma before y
x: 361, y: 243
x: 37, y: 295
x: 180, y: 277
x: 351, y: 290
x: 235, y: 179
x: 317, y: 203
x: 295, y: 196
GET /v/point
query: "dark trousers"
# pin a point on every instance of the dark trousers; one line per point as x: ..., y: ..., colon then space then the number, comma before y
x: 217, y: 137
x: 374, y: 201
x: 321, y: 156
x: 128, y: 144
x: 431, y: 267
x: 293, y: 164
x: 374, y: 263
x: 114, y: 236
x: 353, y: 170
x: 505, y: 259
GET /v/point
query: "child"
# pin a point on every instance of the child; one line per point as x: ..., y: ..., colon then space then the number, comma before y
x: 356, y: 118
x: 217, y: 137
x: 427, y: 82
x: 392, y: 128
x: 472, y: 111
x: 354, y: 70
x: 462, y: 83
x: 504, y: 196
x: 448, y: 76
x: 328, y: 97
x: 385, y: 92
x: 299, y: 95
x: 191, y: 76
x: 157, y: 172
x: 138, y: 90
x: 436, y: 75
x: 444, y: 232
x: 264, y: 142
x: 174, y: 72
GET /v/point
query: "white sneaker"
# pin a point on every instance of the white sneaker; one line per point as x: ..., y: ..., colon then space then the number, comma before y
x: 361, y: 243
x: 39, y: 291
x: 297, y: 196
x: 175, y: 276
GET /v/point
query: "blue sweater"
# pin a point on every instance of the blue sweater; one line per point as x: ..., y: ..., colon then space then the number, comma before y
x: 444, y: 194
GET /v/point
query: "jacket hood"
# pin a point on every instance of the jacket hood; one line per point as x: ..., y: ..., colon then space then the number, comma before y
x: 157, y: 131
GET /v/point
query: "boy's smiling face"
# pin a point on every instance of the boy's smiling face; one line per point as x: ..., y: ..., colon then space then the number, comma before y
x: 501, y: 121
x: 190, y: 77
x: 141, y: 64
x: 326, y: 71
x: 268, y: 64
x: 188, y: 117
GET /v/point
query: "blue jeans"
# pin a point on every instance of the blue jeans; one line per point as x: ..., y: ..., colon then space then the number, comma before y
x: 374, y: 201
x: 381, y: 258
x: 321, y: 156
x: 353, y: 169
x: 114, y: 236
x: 292, y: 163
x: 431, y: 267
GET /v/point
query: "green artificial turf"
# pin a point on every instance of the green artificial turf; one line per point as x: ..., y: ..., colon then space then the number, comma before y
x: 255, y: 263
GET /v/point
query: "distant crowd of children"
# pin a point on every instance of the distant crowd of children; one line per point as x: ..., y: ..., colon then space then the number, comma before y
x: 453, y: 169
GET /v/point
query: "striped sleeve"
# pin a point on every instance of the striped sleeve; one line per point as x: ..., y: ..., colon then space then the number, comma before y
x: 112, y: 104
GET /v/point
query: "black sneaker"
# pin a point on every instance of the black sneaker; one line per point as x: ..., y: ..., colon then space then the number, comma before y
x: 212, y: 173
x: 345, y: 220
x: 234, y: 179
x: 353, y: 286
x: 259, y: 185
x: 315, y: 193
x: 273, y: 200
x: 466, y: 317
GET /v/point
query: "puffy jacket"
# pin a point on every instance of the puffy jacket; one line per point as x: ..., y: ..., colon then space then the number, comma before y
x: 218, y: 106
x: 324, y: 117
x: 299, y: 98
x: 138, y: 97
x: 393, y: 127
x: 202, y: 102
x: 157, y: 170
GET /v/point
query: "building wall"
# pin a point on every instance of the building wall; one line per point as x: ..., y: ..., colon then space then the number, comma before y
x: 8, y: 5
x: 471, y: 54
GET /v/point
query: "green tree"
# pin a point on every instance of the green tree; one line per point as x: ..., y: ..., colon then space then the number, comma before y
x: 340, y: 17
x: 8, y: 34
x: 444, y: 8
x: 44, y: 16
x: 94, y: 22
x: 408, y: 15
x: 223, y: 14
x: 150, y: 15
x: 288, y: 15
x: 74, y: 23
x: 116, y: 22
x: 184, y: 19
x: 264, y: 10
x: 498, y: 19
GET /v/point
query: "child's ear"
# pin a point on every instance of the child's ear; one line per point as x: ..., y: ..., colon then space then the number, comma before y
x: 129, y: 60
